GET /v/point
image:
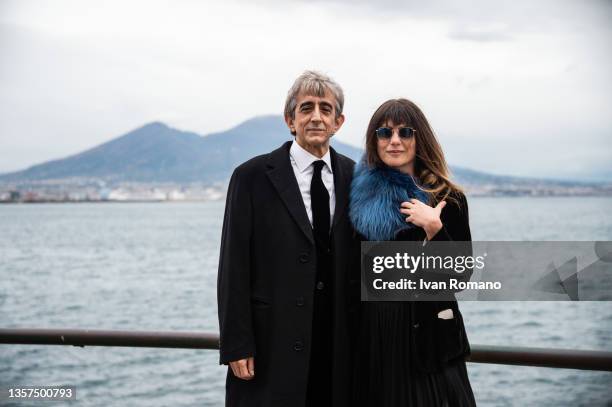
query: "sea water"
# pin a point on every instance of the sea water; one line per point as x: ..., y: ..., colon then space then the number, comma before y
x: 153, y: 266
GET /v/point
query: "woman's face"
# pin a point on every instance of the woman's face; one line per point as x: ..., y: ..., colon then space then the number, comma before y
x: 397, y: 152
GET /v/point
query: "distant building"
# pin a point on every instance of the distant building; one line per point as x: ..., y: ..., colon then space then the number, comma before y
x: 175, y: 195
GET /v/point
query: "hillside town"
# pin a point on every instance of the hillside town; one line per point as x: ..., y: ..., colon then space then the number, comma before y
x: 100, y: 191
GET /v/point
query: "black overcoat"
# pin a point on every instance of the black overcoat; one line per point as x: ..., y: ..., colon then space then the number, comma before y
x: 435, y: 341
x: 266, y: 281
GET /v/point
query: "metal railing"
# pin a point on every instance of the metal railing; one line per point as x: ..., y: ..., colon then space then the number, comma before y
x: 506, y: 355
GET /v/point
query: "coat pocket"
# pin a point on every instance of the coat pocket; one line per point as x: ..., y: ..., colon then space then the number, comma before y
x: 449, y: 339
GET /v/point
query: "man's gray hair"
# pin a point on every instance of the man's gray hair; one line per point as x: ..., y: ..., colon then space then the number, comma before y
x: 315, y: 84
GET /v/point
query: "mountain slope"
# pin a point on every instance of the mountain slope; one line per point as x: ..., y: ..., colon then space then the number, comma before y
x: 158, y: 153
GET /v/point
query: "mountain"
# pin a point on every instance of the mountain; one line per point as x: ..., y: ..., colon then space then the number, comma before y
x: 158, y: 153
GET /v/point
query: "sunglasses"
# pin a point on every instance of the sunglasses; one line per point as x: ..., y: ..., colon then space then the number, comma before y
x: 385, y: 133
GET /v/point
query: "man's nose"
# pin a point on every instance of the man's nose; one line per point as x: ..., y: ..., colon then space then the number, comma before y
x: 316, y: 114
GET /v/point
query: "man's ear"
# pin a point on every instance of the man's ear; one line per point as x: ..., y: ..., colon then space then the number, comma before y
x: 290, y: 124
x: 339, y: 122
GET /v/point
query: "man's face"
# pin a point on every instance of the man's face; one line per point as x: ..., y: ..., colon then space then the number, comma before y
x: 315, y: 121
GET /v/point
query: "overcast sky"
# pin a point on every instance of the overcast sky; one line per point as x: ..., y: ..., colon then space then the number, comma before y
x: 518, y: 87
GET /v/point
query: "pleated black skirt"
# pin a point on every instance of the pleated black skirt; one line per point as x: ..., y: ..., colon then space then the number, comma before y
x: 384, y: 375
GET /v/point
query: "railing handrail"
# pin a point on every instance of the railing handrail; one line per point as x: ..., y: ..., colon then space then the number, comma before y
x: 507, y: 355
x: 97, y: 337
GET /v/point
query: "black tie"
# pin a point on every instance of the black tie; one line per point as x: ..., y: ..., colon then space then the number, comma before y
x: 319, y: 199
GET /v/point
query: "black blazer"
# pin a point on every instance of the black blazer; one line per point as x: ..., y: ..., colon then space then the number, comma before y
x: 266, y: 280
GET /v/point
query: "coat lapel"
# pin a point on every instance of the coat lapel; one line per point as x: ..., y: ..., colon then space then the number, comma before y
x: 283, y: 179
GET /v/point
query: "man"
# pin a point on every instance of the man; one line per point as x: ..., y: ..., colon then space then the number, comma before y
x: 283, y: 268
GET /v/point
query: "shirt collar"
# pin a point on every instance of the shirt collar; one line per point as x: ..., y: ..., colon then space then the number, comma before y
x: 303, y: 159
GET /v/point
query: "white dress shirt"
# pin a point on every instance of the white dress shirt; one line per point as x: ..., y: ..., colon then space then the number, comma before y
x: 301, y: 161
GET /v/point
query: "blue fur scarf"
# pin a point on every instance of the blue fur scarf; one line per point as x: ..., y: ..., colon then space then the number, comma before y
x: 376, y: 196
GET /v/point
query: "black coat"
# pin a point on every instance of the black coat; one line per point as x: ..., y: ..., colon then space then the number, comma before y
x: 436, y: 341
x: 266, y: 281
x: 440, y: 340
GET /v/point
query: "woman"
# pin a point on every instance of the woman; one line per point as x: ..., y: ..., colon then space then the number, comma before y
x: 408, y: 353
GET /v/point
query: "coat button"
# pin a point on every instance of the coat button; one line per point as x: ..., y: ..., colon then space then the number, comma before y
x: 299, y: 301
x: 304, y: 258
x: 320, y: 285
x: 298, y: 346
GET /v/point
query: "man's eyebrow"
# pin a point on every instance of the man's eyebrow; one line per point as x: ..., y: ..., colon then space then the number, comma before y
x: 310, y: 103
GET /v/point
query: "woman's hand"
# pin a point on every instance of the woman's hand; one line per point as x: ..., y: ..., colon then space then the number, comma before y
x: 423, y: 215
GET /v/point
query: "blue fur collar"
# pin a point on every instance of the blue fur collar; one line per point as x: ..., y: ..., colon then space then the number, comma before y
x: 376, y: 196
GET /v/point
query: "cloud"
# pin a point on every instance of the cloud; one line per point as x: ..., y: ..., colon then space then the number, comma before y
x: 483, y: 33
x: 485, y: 20
x: 510, y: 74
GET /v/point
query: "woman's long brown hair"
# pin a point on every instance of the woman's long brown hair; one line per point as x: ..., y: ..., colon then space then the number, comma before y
x: 430, y: 168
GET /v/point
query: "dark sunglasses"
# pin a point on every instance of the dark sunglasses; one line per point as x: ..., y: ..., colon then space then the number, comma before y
x: 385, y: 133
